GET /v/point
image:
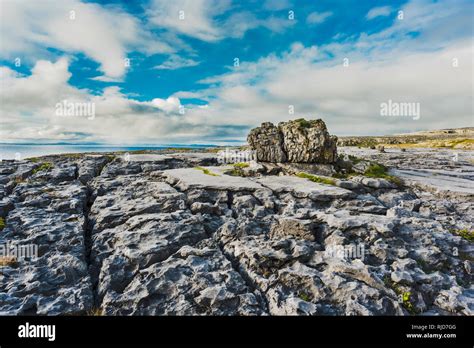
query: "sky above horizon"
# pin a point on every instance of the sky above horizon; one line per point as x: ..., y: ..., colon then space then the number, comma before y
x: 207, y: 71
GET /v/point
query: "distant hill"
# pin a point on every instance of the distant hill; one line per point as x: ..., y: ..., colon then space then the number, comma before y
x: 454, y: 138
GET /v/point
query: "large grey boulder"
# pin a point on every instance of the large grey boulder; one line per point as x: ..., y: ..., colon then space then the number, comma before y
x: 296, y: 141
x: 267, y: 141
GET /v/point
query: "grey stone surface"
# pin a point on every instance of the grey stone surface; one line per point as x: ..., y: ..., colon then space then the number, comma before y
x: 297, y: 141
x: 156, y: 236
x: 267, y: 141
x: 194, y: 178
x: 303, y: 188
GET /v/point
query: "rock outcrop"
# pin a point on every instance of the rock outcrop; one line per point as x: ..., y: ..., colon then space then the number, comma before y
x: 296, y: 141
x: 267, y: 141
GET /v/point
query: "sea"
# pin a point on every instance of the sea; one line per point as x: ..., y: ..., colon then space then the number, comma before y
x: 23, y: 151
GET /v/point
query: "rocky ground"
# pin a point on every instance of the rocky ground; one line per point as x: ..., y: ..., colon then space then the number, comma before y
x: 152, y: 234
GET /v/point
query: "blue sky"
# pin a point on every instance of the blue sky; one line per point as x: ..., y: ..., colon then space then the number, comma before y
x: 163, y: 71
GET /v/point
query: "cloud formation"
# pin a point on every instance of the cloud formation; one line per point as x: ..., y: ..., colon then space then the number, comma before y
x: 106, y: 35
x: 176, y: 62
x: 378, y: 12
x: 318, y: 17
x: 31, y: 104
x: 424, y: 58
x: 208, y: 20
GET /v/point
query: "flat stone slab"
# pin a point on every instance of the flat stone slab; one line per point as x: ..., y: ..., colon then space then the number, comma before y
x: 303, y: 188
x: 438, y: 181
x: 193, y: 178
x: 146, y: 158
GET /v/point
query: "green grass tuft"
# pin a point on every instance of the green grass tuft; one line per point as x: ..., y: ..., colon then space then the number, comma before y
x: 235, y: 172
x: 44, y: 166
x: 304, y: 296
x: 303, y: 123
x: 406, y: 302
x: 206, y: 171
x: 464, y: 233
x: 341, y: 176
x: 355, y: 159
x: 2, y: 223
x: 404, y: 296
x: 377, y: 170
x: 318, y: 179
x: 241, y: 165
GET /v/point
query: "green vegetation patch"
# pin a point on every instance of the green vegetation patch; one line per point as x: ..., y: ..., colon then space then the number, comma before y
x: 304, y: 296
x: 303, y: 123
x: 139, y: 152
x: 406, y: 302
x: 365, y: 142
x: 315, y: 178
x: 237, y: 169
x: 241, y: 165
x: 2, y: 223
x: 377, y: 170
x: 44, y: 166
x: 368, y: 143
x: 464, y: 233
x: 453, y: 143
x: 206, y: 171
x: 355, y: 159
x: 341, y: 176
x: 404, y: 296
x: 72, y: 155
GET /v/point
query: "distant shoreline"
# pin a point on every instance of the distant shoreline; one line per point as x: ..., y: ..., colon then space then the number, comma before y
x: 23, y: 151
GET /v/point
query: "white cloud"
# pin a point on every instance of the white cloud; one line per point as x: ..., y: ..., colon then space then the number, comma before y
x: 104, y: 78
x: 176, y: 62
x: 239, y: 23
x: 190, y: 95
x: 204, y: 20
x: 29, y: 103
x: 44, y: 87
x: 318, y: 17
x: 351, y: 95
x: 169, y: 105
x: 381, y: 11
x: 276, y: 5
x: 105, y: 34
x: 193, y: 18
